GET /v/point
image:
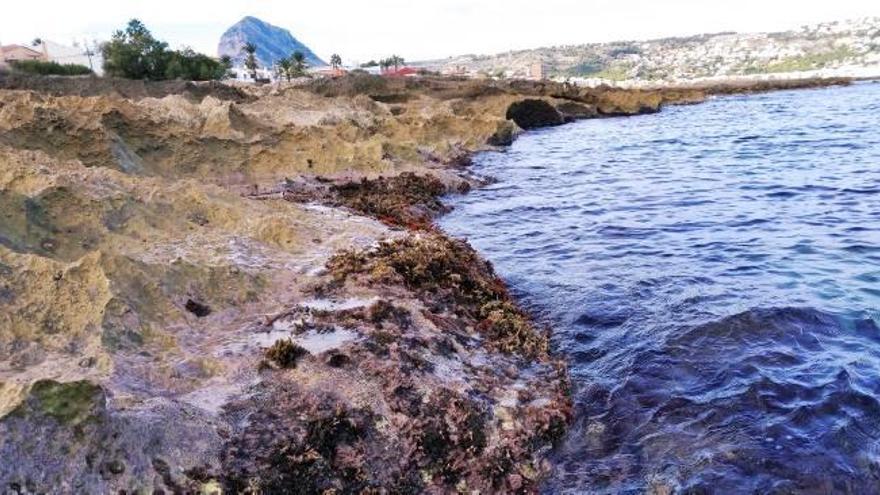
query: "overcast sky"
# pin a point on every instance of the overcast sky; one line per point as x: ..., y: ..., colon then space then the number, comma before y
x: 419, y: 29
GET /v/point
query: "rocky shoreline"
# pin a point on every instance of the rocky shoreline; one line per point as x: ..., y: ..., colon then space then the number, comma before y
x: 207, y: 288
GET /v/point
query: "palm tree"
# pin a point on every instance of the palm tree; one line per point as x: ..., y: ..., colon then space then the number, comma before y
x: 250, y: 62
x: 225, y: 62
x: 335, y: 61
x: 298, y: 60
x: 285, y: 66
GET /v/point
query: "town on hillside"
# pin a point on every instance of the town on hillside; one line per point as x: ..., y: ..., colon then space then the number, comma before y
x: 255, y: 51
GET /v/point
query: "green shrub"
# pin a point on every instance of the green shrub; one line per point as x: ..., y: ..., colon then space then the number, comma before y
x: 192, y: 66
x: 50, y: 68
x: 134, y: 53
x: 812, y: 61
x: 588, y: 67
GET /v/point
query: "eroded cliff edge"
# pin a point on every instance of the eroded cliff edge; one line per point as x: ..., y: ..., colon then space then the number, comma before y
x: 207, y: 287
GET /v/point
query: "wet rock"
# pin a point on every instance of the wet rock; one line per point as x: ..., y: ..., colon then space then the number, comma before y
x: 534, y: 113
x: 306, y: 190
x: 117, y: 209
x: 337, y: 360
x: 121, y: 325
x: 68, y: 403
x: 448, y: 275
x: 408, y: 199
x: 7, y: 296
x: 572, y: 111
x: 197, y: 308
x: 66, y: 439
x: 112, y: 468
x: 285, y: 354
x: 385, y: 311
x: 301, y: 443
x: 504, y: 136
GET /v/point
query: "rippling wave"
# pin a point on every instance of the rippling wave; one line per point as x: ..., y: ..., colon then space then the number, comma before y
x: 713, y: 273
x: 781, y: 399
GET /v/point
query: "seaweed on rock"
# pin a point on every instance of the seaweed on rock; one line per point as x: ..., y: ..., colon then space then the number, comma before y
x: 407, y: 200
x: 284, y: 353
x: 449, y: 276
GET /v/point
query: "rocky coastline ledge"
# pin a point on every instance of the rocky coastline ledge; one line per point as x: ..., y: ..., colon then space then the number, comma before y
x: 210, y: 289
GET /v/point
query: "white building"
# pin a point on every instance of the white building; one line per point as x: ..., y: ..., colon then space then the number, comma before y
x: 80, y: 54
x: 244, y: 74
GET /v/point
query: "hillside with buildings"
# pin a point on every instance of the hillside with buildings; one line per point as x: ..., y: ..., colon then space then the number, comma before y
x: 835, y: 48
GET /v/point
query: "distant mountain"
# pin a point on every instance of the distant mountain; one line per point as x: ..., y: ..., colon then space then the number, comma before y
x: 846, y: 47
x: 273, y: 43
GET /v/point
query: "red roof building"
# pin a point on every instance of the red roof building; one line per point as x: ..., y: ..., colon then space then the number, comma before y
x: 330, y: 72
x: 400, y: 72
x: 12, y: 53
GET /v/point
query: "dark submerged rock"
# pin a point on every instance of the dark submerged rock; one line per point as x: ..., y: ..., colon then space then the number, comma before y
x: 533, y: 114
x: 572, y: 111
x: 197, y: 308
x: 504, y: 136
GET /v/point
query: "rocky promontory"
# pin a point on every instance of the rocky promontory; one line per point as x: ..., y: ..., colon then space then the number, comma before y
x: 211, y: 289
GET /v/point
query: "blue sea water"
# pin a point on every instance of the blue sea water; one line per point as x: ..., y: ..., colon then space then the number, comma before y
x: 712, y: 275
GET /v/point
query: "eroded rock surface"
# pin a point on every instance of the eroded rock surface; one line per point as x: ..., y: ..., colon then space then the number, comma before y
x: 155, y: 242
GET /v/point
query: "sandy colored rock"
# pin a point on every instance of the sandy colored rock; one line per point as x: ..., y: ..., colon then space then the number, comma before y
x: 157, y: 239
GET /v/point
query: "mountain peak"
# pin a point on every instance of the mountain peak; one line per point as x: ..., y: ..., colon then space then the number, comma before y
x: 273, y: 43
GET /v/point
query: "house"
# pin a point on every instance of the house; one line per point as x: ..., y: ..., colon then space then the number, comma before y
x: 374, y: 70
x: 13, y: 53
x: 400, y: 72
x: 329, y: 72
x: 246, y: 75
x: 455, y: 70
x: 79, y: 54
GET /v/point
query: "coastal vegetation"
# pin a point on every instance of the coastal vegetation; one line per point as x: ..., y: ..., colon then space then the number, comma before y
x: 134, y: 53
x: 298, y: 63
x: 250, y: 60
x: 293, y: 66
x: 50, y: 68
x: 810, y: 61
x: 335, y: 61
x: 395, y: 61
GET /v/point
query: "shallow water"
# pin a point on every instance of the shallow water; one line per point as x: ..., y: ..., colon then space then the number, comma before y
x: 713, y: 276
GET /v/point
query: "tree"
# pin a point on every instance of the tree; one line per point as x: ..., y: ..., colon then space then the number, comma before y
x: 226, y: 62
x: 392, y: 61
x: 250, y: 61
x: 188, y: 65
x: 134, y: 53
x: 298, y: 62
x: 284, y: 68
x: 335, y: 61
